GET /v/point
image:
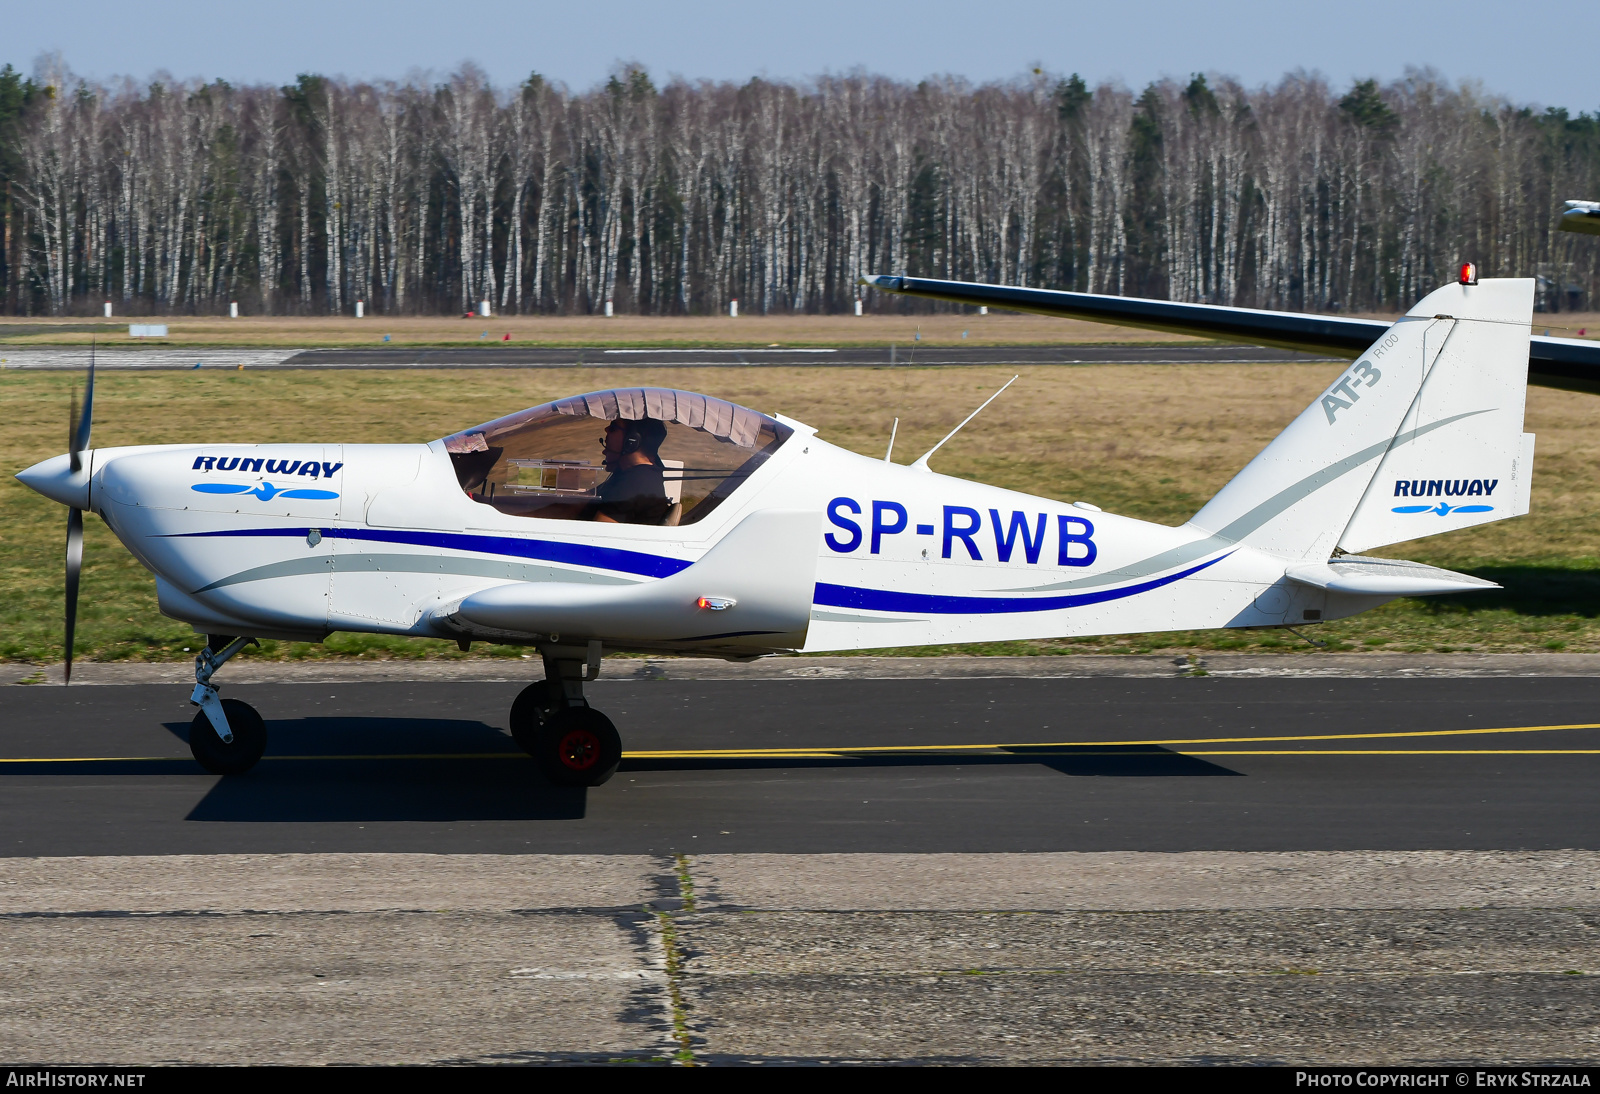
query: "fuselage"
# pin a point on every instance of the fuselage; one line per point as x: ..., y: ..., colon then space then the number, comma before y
x: 295, y: 541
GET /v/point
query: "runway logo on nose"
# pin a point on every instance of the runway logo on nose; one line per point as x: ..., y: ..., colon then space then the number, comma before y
x: 263, y: 491
x: 308, y: 469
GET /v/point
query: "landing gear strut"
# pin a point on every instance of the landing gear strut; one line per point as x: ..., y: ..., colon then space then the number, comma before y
x: 227, y: 737
x: 551, y: 721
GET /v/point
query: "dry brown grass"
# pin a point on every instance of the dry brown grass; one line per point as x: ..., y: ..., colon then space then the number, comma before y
x: 1149, y: 441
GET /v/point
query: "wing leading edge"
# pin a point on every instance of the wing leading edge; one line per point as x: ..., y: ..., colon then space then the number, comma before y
x: 1569, y: 363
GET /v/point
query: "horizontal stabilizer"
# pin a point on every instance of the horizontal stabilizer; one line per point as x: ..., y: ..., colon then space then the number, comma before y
x: 752, y: 591
x: 1365, y: 576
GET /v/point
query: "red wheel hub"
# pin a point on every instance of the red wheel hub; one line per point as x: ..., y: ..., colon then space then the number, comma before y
x: 579, y: 750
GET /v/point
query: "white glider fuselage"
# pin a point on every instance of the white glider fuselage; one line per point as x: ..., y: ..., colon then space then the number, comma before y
x: 381, y: 538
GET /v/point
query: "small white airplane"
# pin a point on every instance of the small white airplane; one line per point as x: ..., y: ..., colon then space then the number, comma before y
x: 651, y: 519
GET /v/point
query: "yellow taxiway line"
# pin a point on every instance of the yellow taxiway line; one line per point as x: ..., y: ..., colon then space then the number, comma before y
x: 1021, y: 750
x: 1034, y: 752
x: 855, y: 749
x: 1384, y: 752
x: 1043, y: 751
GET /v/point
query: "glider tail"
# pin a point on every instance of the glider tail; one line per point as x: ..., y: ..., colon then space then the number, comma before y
x: 1422, y: 435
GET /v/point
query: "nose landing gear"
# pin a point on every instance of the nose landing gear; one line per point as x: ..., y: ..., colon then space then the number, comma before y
x: 233, y: 757
x: 551, y: 721
x: 227, y: 737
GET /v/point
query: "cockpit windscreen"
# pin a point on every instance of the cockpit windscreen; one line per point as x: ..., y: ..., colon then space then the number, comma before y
x: 643, y: 455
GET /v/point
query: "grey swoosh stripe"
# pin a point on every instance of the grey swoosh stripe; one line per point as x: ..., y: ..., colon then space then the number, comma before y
x: 1166, y: 560
x: 414, y: 564
x: 840, y: 617
x: 1242, y: 526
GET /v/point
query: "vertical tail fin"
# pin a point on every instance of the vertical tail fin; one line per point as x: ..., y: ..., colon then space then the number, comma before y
x: 1437, y: 401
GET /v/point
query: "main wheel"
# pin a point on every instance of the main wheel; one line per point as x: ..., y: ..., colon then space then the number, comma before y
x: 578, y: 746
x: 249, y: 739
x: 532, y: 709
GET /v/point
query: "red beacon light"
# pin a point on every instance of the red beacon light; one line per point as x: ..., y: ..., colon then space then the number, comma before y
x: 1469, y: 273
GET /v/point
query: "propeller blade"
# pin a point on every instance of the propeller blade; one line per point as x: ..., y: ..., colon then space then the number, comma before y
x: 74, y: 570
x: 72, y: 431
x: 80, y: 438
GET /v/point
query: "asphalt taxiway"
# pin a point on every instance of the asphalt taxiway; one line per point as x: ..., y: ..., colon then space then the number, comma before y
x: 1298, y: 859
x: 818, y: 765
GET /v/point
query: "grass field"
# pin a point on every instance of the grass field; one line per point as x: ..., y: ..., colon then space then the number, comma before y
x: 1148, y: 441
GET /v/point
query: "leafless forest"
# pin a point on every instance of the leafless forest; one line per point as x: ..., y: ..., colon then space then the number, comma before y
x: 176, y: 197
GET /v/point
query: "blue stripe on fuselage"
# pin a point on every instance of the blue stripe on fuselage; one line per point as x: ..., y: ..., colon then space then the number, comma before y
x: 882, y: 600
x: 573, y: 554
x: 637, y: 562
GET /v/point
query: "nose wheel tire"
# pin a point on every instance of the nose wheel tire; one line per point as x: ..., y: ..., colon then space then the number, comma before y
x: 249, y: 740
x: 578, y: 746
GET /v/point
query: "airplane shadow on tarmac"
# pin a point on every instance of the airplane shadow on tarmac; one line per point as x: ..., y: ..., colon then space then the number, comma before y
x: 422, y: 769
x: 387, y: 769
x: 1137, y: 761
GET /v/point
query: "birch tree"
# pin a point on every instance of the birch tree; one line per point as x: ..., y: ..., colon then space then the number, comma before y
x: 419, y: 196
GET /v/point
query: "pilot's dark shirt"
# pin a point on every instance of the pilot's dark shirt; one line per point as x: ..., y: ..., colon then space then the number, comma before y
x: 634, y: 495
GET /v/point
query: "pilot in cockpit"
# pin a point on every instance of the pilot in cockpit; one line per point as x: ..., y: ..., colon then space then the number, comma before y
x: 636, y: 492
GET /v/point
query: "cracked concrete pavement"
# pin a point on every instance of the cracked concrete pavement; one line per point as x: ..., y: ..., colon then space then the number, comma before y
x: 1316, y: 958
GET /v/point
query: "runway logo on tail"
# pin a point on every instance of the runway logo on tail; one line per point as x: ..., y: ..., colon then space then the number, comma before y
x: 1443, y: 509
x: 264, y: 491
x: 1448, y: 488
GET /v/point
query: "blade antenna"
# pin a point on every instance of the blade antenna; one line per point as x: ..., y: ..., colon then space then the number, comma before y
x: 892, y: 431
x: 922, y: 461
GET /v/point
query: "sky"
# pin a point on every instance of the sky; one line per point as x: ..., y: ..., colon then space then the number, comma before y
x: 1537, y: 58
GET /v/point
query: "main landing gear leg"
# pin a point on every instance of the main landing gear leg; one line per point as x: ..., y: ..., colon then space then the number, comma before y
x: 227, y: 737
x: 575, y: 744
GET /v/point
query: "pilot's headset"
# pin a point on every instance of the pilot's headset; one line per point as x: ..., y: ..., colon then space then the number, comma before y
x: 645, y: 433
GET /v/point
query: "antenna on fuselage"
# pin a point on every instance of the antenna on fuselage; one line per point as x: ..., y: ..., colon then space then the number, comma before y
x: 892, y: 431
x: 922, y: 461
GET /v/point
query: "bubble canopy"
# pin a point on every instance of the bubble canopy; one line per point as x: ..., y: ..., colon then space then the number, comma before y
x: 548, y: 461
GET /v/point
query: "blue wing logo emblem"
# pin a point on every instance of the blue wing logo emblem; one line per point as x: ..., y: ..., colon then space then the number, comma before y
x: 263, y: 491
x: 1443, y: 509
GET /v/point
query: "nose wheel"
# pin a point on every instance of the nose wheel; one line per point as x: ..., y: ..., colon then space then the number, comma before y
x: 235, y: 757
x: 227, y: 737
